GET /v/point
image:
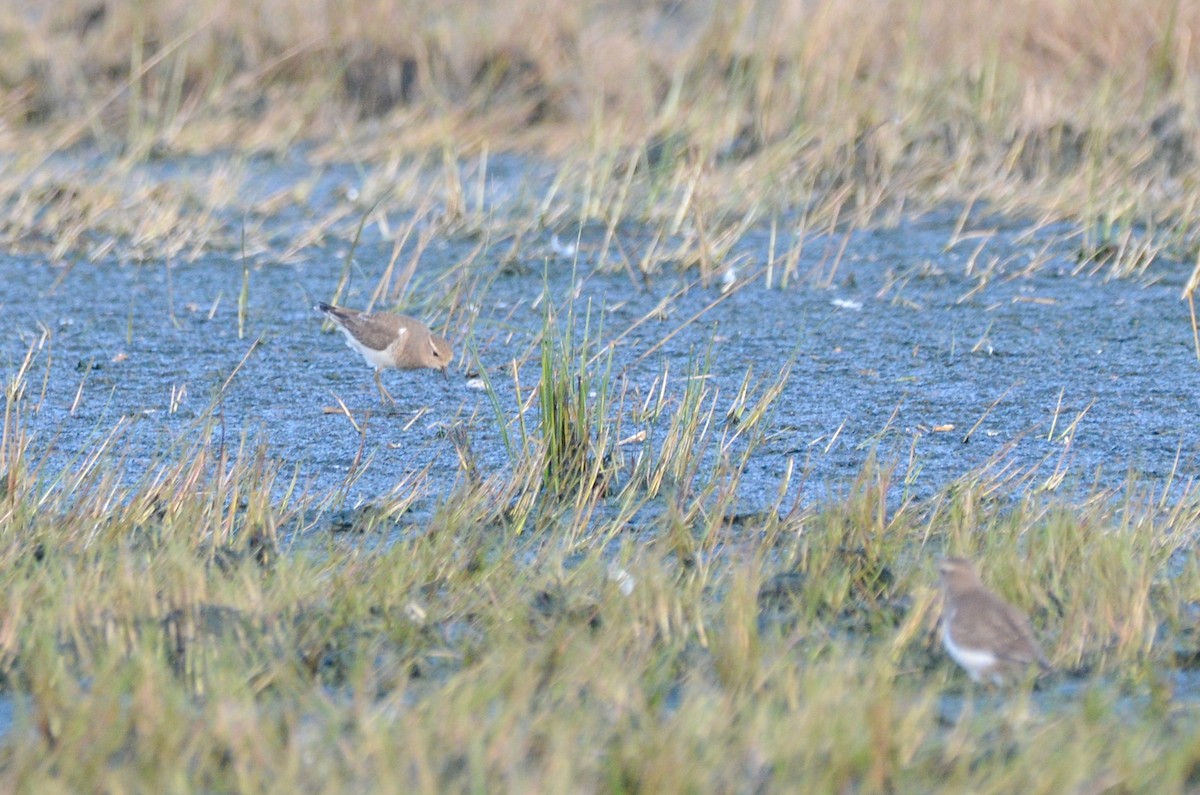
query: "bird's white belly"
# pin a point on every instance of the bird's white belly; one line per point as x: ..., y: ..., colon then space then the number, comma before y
x: 374, y: 358
x: 976, y: 661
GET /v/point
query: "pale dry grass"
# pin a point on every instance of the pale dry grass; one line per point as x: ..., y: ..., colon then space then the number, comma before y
x: 702, y: 119
x: 597, y: 615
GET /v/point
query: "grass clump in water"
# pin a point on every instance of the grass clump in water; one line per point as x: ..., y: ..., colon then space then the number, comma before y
x: 573, y: 395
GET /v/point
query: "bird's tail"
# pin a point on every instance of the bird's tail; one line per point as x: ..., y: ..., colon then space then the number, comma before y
x: 335, y: 313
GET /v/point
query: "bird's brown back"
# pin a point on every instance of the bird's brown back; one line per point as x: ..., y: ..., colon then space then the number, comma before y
x: 407, y: 341
x: 376, y: 330
x: 984, y: 620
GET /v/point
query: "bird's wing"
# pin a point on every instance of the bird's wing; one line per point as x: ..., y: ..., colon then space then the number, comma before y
x: 1000, y: 628
x: 1022, y: 646
x: 376, y: 332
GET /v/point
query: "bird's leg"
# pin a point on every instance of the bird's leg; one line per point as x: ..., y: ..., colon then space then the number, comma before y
x: 383, y: 393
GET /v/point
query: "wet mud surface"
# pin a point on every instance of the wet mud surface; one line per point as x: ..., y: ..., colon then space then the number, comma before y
x: 940, y: 358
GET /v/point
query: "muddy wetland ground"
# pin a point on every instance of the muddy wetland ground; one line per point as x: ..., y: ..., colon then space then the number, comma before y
x: 758, y: 310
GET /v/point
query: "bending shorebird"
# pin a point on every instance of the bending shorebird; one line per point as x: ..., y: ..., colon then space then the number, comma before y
x: 987, y: 636
x: 386, y: 340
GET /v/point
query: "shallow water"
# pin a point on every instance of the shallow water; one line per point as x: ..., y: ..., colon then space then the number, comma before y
x: 903, y: 354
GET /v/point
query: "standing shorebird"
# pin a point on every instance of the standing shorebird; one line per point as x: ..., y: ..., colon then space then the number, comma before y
x: 987, y: 636
x: 386, y: 340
